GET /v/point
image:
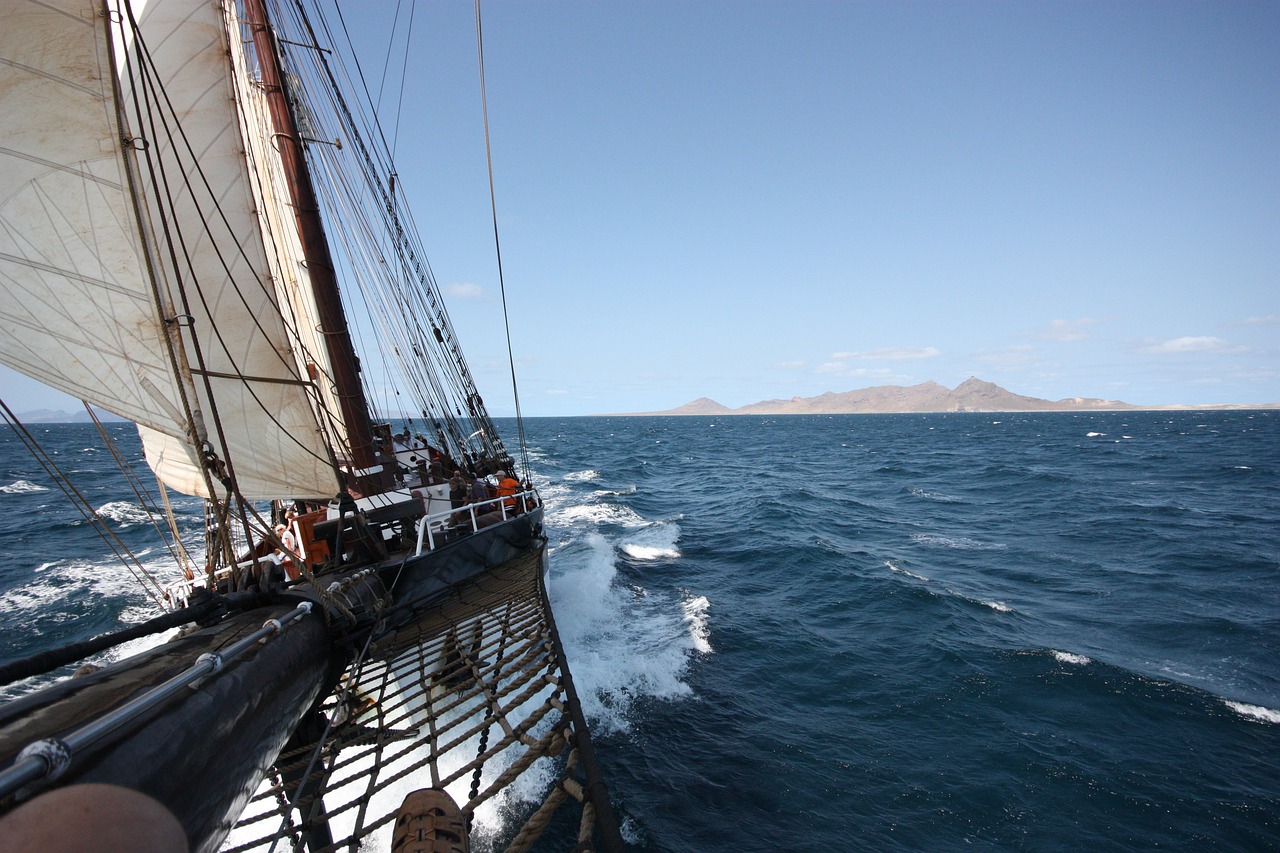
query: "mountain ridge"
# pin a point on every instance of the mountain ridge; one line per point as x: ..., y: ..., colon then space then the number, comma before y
x: 61, y: 416
x: 972, y: 395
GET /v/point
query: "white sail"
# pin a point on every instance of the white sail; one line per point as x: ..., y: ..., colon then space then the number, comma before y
x: 81, y: 312
x: 77, y: 311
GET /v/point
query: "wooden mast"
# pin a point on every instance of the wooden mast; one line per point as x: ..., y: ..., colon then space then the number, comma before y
x: 315, y: 246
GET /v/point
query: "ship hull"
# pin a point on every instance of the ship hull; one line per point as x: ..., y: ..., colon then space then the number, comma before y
x: 204, y: 751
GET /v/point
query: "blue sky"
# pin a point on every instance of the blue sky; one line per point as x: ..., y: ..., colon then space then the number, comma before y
x: 748, y: 200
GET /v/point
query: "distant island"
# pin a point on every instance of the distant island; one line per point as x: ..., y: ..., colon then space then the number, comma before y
x: 58, y: 416
x: 972, y: 395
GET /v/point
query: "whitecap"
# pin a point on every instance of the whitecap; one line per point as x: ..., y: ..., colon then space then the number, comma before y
x: 582, y: 476
x: 1254, y: 712
x: 124, y: 513
x: 614, y: 493
x: 22, y: 487
x: 932, y: 496
x: 1068, y: 657
x: 648, y: 552
x: 895, y: 567
x: 655, y: 542
x: 695, y: 616
x: 1096, y: 434
x: 600, y: 514
x: 998, y: 606
x: 626, y: 643
x: 959, y: 543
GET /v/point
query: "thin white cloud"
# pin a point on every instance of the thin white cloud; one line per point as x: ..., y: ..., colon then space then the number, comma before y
x: 1190, y: 343
x: 792, y: 365
x: 1067, y: 331
x: 842, y: 369
x: 890, y: 354
x: 464, y: 290
x: 1010, y: 358
x: 1268, y: 320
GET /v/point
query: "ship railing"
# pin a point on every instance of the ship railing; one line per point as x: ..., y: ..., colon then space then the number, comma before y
x: 178, y: 593
x: 429, y: 526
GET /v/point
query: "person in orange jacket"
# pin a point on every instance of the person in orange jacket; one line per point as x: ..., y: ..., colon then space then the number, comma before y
x: 507, y: 488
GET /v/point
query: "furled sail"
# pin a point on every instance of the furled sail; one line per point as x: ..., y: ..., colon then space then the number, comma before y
x: 133, y: 264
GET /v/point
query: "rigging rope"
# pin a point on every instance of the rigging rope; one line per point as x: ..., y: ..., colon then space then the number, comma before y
x: 497, y: 246
x: 175, y: 546
x: 398, y: 282
x: 86, y: 509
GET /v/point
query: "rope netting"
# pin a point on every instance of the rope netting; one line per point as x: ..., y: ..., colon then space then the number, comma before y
x: 469, y: 699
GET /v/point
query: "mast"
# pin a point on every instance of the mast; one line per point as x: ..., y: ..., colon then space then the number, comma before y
x: 324, y: 282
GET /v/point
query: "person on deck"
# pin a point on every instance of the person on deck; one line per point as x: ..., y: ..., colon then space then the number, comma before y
x: 291, y: 554
x: 479, y: 489
x: 507, y: 488
x: 457, y: 491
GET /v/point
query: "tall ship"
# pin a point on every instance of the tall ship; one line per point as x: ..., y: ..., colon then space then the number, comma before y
x: 202, y: 232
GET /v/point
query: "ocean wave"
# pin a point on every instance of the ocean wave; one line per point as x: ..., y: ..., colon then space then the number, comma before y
x: 124, y: 513
x: 22, y: 487
x: 895, y: 566
x: 958, y: 543
x: 34, y: 599
x: 655, y: 542
x: 933, y: 496
x: 1096, y: 435
x: 695, y: 616
x: 648, y: 552
x: 997, y: 606
x: 582, y: 476
x: 1254, y: 712
x: 614, y: 493
x: 600, y: 513
x: 625, y: 643
x: 1068, y: 657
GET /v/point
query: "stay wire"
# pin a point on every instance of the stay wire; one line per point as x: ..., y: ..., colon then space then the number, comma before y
x: 86, y: 509
x: 140, y: 491
x: 497, y: 247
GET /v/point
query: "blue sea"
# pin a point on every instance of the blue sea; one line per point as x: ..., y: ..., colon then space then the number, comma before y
x: 859, y: 632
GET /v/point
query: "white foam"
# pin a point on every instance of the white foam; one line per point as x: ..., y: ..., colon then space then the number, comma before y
x: 1068, y: 657
x: 998, y: 606
x: 695, y: 616
x: 933, y: 496
x: 648, y: 552
x: 894, y: 567
x: 959, y: 543
x: 655, y: 542
x: 582, y: 476
x: 1254, y: 712
x: 22, y: 487
x: 1096, y: 434
x: 57, y: 585
x: 124, y: 513
x: 599, y: 513
x: 622, y: 643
